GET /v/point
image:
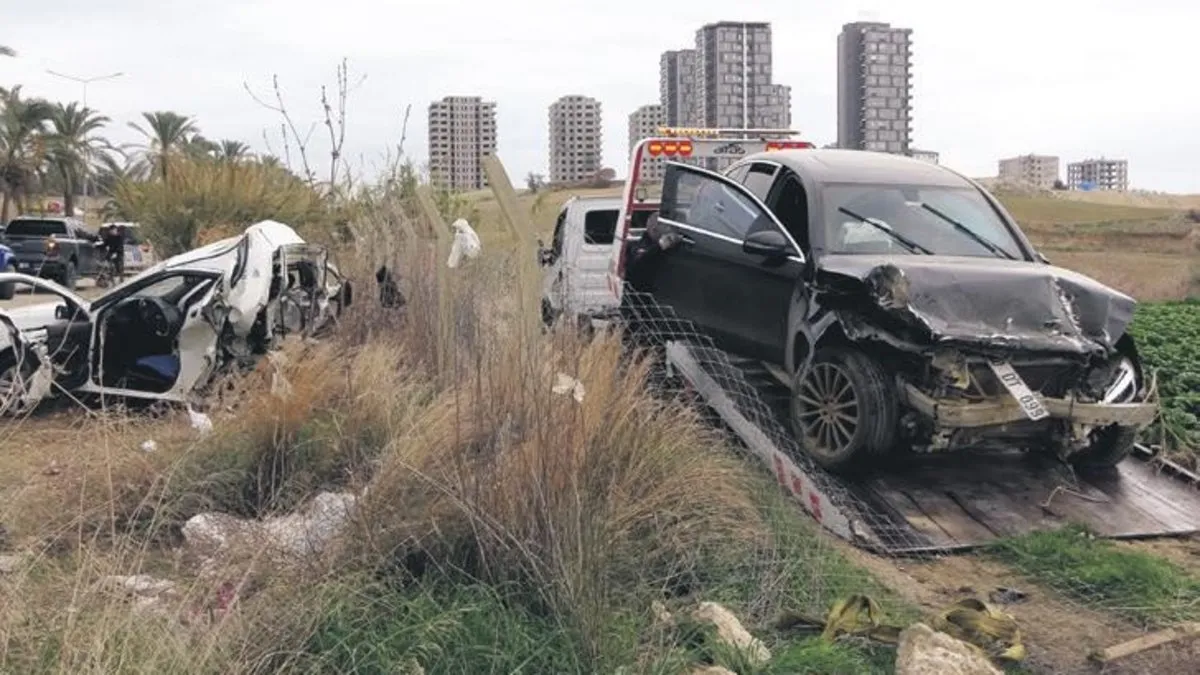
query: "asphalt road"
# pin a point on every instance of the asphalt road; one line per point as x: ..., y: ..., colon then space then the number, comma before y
x: 24, y: 298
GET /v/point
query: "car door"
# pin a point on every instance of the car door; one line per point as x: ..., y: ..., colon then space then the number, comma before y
x: 711, y: 278
x: 193, y: 352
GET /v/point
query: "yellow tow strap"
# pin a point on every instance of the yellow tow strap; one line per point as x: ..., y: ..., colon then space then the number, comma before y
x: 992, y: 632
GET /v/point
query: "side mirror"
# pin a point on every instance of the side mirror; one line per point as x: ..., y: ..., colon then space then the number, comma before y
x: 62, y: 312
x: 545, y: 256
x: 769, y: 243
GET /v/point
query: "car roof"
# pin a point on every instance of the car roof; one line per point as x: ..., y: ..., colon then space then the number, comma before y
x: 828, y: 165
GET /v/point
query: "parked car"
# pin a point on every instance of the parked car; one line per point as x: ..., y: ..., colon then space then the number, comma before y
x: 903, y: 306
x: 166, y: 332
x: 6, y: 265
x: 52, y: 247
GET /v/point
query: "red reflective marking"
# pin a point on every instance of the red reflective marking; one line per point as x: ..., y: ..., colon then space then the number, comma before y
x: 814, y: 500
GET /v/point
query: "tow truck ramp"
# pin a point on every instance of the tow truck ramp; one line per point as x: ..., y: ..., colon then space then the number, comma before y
x: 937, y: 503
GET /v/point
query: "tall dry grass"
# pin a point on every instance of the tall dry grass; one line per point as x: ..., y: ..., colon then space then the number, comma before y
x: 476, y: 475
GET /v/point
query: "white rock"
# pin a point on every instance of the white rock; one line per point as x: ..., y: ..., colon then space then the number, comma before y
x: 731, y: 631
x: 10, y: 563
x: 142, y: 585
x: 924, y: 651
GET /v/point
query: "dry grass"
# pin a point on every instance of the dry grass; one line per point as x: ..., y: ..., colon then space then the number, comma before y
x: 482, y: 473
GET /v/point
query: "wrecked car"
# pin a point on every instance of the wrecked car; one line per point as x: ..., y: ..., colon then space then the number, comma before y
x: 166, y: 332
x: 904, y: 308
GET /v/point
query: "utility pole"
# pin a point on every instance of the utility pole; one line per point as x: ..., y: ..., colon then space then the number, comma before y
x: 85, y: 81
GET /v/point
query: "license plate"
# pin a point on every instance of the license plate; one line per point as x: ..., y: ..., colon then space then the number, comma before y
x: 1030, y: 404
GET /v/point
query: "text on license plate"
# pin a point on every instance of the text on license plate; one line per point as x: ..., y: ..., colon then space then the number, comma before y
x: 1030, y: 404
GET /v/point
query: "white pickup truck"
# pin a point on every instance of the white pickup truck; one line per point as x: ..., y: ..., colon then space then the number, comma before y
x: 583, y: 266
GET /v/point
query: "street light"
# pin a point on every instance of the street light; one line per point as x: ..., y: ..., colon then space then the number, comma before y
x: 85, y: 81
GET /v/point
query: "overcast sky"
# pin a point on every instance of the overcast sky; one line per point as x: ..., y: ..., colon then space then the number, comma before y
x: 1066, y: 77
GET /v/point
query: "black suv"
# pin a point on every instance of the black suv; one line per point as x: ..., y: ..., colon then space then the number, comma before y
x: 904, y: 308
x: 62, y: 249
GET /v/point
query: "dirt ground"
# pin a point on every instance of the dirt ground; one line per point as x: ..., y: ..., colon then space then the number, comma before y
x: 1058, y: 633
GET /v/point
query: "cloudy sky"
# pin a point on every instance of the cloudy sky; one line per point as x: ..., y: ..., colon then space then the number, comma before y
x: 1066, y: 77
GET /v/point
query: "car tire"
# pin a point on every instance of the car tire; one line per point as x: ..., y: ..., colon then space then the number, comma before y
x: 7, y: 291
x: 856, y: 387
x: 1109, y: 447
x: 70, y: 276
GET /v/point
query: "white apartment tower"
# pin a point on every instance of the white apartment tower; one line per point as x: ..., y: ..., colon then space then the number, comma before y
x: 1099, y: 174
x: 1037, y: 170
x: 575, y: 139
x: 462, y: 131
x: 644, y: 123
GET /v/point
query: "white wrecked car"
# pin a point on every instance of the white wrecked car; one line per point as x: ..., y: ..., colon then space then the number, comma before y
x: 164, y: 333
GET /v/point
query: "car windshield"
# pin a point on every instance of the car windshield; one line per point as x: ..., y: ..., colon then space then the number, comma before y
x: 29, y: 227
x: 938, y: 220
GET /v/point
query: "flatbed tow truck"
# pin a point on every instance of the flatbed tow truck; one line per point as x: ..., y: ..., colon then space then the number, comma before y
x: 931, y: 503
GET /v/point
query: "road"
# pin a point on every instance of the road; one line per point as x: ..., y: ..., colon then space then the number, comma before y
x: 24, y: 298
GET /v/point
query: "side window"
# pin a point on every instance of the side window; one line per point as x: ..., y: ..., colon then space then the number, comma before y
x: 790, y: 204
x: 759, y: 180
x: 709, y: 203
x: 738, y: 173
x: 600, y: 226
x: 556, y: 245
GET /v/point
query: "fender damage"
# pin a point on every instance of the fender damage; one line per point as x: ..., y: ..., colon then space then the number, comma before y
x: 989, y: 349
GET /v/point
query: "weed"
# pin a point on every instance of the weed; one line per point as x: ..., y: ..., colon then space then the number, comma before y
x: 1148, y: 589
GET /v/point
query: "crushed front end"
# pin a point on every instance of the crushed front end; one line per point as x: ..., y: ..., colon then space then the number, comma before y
x: 992, y: 354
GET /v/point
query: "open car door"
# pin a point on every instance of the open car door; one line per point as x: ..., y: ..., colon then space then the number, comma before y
x: 158, y: 338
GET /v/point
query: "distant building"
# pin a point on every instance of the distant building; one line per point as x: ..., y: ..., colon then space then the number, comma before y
x: 925, y: 155
x: 462, y: 131
x: 575, y: 139
x: 874, y: 87
x: 734, y: 87
x: 677, y: 82
x: 1099, y: 174
x: 644, y: 123
x: 1037, y: 170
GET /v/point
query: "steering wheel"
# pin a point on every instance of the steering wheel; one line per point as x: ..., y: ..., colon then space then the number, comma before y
x: 154, y: 314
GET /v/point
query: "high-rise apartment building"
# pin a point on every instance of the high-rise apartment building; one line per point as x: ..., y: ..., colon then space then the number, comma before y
x: 874, y: 84
x: 733, y: 84
x: 462, y: 131
x: 644, y: 123
x: 677, y: 87
x: 575, y: 133
x: 1099, y: 174
x: 1037, y: 170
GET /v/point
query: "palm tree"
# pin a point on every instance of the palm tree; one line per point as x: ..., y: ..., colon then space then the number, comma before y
x: 7, y: 51
x: 22, y: 149
x: 199, y: 147
x: 115, y: 166
x: 73, y: 144
x: 233, y: 151
x: 167, y: 132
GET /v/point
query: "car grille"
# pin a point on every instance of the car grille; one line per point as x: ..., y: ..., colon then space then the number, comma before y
x: 1047, y: 379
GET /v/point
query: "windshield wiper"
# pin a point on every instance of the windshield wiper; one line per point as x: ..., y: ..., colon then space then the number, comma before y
x: 983, y: 241
x: 912, y: 246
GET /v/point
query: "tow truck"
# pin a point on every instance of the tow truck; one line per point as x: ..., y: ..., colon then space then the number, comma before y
x: 939, y: 503
x: 681, y: 144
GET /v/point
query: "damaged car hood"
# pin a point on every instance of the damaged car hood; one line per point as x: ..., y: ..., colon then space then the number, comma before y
x: 986, y: 302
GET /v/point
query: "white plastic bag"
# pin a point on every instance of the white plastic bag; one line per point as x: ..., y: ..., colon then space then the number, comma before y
x: 466, y: 243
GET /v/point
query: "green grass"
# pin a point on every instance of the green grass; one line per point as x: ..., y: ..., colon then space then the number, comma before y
x: 453, y: 625
x: 1141, y: 587
x: 1065, y: 211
